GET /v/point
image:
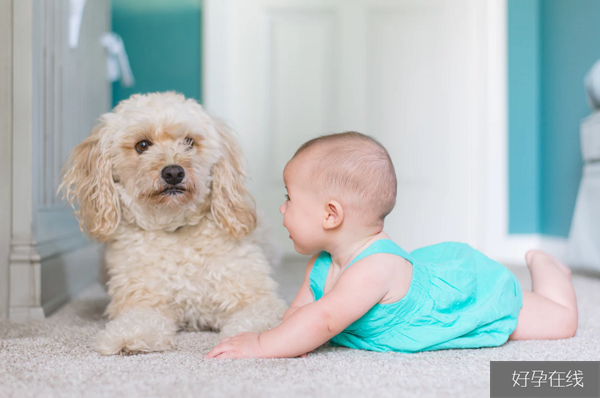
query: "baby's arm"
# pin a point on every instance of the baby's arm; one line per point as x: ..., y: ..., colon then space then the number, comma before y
x: 356, y: 292
x: 304, y: 295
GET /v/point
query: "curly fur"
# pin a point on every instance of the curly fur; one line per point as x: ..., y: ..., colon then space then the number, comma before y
x: 194, y: 259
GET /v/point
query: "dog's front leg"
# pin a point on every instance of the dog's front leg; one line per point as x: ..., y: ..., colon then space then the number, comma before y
x: 135, y: 331
x: 257, y: 316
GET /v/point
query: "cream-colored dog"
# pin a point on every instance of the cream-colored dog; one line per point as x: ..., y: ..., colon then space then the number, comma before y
x: 162, y: 183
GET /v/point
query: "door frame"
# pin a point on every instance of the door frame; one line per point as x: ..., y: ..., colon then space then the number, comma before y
x: 5, y: 149
x: 49, y: 259
x: 499, y: 243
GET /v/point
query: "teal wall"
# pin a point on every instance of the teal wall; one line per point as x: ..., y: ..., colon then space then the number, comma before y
x: 569, y: 47
x: 162, y: 39
x: 523, y: 116
x: 551, y: 46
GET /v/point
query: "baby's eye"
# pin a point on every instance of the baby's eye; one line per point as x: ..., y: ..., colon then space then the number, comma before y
x: 287, y: 197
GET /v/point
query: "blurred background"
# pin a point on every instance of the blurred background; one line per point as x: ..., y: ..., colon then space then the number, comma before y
x: 481, y: 104
x: 163, y: 40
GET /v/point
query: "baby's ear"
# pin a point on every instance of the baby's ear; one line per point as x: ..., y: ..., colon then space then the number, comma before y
x: 87, y: 179
x: 334, y: 215
x: 231, y: 205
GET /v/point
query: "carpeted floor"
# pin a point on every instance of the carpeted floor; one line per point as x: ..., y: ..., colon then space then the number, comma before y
x: 52, y: 359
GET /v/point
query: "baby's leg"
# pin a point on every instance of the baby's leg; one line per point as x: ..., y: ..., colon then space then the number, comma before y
x: 550, y: 310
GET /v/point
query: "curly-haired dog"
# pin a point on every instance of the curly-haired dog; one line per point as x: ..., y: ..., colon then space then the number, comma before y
x: 162, y: 183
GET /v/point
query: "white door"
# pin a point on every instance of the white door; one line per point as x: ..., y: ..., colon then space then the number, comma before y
x: 409, y: 73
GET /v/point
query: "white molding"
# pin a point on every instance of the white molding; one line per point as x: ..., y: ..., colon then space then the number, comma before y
x: 5, y: 149
x: 22, y: 120
x: 25, y: 281
x: 215, y: 57
x: 498, y: 244
x: 495, y: 206
x: 54, y: 108
x: 26, y: 313
x: 24, y: 260
x: 511, y: 250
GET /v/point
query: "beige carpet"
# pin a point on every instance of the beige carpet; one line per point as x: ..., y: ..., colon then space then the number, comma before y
x: 52, y: 359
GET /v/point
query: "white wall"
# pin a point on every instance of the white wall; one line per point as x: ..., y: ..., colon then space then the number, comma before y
x: 283, y: 71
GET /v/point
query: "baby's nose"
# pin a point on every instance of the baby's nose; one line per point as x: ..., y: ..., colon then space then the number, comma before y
x: 281, y: 208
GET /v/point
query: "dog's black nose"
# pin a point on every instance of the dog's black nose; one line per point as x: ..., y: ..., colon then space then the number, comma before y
x: 173, y: 174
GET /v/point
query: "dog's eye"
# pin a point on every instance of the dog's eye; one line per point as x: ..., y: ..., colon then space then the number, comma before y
x: 189, y: 142
x: 143, y: 146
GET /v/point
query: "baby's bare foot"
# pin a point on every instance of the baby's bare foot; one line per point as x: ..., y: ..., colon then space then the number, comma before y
x: 539, y: 256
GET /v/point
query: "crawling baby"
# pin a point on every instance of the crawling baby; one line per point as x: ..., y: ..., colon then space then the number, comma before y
x: 361, y: 290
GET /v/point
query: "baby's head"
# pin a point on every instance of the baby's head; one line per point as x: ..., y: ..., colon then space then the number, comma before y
x: 349, y: 170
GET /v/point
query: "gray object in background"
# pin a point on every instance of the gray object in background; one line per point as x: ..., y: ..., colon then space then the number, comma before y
x: 117, y: 63
x: 583, y: 247
x: 592, y: 85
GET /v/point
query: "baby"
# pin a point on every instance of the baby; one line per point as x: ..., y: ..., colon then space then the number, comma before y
x: 363, y: 291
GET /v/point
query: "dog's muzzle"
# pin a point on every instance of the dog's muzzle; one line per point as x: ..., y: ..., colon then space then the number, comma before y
x: 173, y: 175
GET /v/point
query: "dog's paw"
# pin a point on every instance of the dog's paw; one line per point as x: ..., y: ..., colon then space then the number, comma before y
x: 111, y: 342
x: 134, y: 332
x: 125, y: 352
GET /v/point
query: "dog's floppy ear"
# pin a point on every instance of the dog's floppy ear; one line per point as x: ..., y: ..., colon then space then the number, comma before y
x: 231, y: 205
x: 87, y: 179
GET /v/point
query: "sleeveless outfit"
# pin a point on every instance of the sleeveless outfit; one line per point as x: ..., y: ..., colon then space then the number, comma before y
x: 458, y: 298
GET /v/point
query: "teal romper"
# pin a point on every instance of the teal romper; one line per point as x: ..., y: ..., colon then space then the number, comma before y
x: 458, y: 298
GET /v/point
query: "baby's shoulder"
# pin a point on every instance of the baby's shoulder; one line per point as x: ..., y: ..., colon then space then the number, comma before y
x: 386, y: 264
x: 393, y: 271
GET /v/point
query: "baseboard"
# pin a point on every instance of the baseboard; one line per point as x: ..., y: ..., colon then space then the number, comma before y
x: 23, y: 314
x: 554, y: 245
x: 512, y: 248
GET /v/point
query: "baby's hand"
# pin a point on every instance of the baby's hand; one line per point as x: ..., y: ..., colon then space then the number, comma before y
x: 304, y: 355
x: 242, y: 345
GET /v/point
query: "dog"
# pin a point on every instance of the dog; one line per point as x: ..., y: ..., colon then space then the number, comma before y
x: 162, y: 184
